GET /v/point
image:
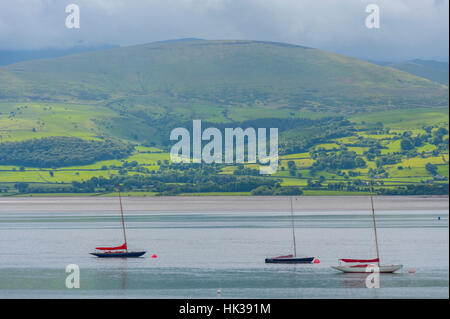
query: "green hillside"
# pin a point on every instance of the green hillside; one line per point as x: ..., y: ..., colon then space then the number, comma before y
x: 341, y: 120
x: 221, y: 73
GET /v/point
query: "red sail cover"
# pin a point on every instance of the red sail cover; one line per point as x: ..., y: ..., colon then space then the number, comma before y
x: 124, y: 246
x: 287, y: 256
x: 360, y: 260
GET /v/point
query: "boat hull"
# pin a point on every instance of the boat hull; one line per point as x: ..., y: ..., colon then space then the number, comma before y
x: 131, y: 254
x: 388, y: 269
x: 290, y: 260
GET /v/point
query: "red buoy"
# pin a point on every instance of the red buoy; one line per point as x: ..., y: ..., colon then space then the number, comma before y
x: 154, y: 256
x: 316, y: 261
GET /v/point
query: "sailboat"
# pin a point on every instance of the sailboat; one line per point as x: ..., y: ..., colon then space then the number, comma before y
x: 119, y: 251
x: 348, y: 265
x: 292, y: 258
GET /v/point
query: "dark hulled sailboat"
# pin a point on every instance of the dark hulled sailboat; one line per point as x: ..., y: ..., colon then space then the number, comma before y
x: 119, y: 251
x: 293, y: 258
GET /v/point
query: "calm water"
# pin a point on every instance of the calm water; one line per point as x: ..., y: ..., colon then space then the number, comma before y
x: 201, y: 253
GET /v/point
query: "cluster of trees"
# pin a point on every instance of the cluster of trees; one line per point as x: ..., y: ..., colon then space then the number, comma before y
x: 408, y: 143
x: 378, y: 172
x: 435, y: 137
x: 355, y: 186
x: 336, y: 160
x: 438, y: 137
x: 240, y: 184
x: 186, y: 178
x: 61, y: 151
x: 432, y: 169
x: 313, y: 133
x: 276, y: 191
x: 419, y: 189
x: 388, y: 159
x: 361, y: 186
x: 373, y: 152
x: 171, y: 182
x: 43, y: 188
x: 245, y: 171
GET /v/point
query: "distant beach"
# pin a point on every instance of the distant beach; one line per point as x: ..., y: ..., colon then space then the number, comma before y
x: 225, y: 203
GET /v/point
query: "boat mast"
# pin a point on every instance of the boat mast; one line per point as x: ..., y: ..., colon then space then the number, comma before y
x: 121, y: 213
x: 374, y: 223
x: 293, y: 229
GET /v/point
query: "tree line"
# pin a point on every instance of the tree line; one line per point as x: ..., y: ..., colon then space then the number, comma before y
x: 61, y: 151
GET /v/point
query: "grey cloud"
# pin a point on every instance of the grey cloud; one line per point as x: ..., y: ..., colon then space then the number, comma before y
x: 409, y: 28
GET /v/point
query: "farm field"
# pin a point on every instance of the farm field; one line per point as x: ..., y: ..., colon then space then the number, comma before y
x: 294, y: 169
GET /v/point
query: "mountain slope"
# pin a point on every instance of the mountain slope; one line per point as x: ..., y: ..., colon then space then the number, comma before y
x: 428, y: 69
x: 220, y: 73
x: 15, y: 56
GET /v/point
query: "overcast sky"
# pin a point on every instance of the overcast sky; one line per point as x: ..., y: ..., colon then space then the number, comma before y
x: 408, y: 28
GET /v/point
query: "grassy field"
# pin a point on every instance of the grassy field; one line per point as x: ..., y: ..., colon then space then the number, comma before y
x: 412, y: 169
x: 22, y: 121
x: 406, y: 119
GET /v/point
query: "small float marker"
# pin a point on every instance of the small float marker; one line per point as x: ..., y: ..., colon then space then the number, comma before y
x: 154, y: 256
x: 317, y: 261
x: 411, y: 271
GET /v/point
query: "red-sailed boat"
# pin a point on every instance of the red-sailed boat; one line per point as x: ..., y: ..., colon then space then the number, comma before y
x: 348, y: 265
x: 360, y: 266
x: 119, y: 251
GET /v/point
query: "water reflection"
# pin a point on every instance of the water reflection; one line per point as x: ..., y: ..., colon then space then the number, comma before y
x: 123, y: 267
x: 353, y: 280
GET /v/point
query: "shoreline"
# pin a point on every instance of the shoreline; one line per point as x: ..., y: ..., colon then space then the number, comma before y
x: 224, y: 203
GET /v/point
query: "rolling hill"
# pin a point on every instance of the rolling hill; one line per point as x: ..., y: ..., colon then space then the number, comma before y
x: 221, y: 73
x: 341, y: 120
